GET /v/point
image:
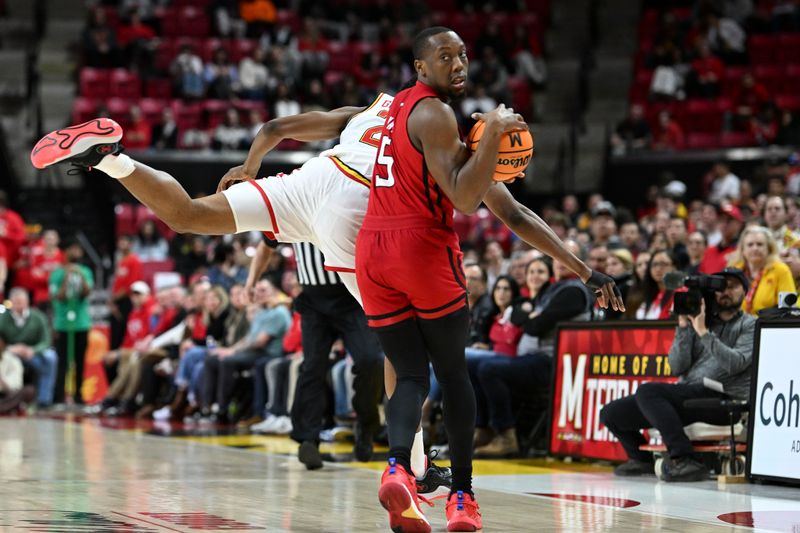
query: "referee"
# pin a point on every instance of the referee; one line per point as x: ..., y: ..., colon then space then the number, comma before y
x: 328, y: 311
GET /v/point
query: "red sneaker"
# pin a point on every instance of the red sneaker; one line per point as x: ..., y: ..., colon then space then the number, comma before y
x: 398, y: 495
x: 84, y: 144
x: 462, y: 512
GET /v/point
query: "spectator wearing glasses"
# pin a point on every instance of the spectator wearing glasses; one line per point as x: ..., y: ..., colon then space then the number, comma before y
x: 657, y: 301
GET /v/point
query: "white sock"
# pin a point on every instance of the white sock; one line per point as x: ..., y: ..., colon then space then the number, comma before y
x: 418, y: 458
x: 116, y: 166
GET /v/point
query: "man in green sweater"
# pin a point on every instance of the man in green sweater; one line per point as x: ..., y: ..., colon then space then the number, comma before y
x: 28, y: 337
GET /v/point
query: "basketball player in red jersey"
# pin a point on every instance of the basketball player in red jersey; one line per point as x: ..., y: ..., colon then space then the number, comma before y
x: 409, y: 271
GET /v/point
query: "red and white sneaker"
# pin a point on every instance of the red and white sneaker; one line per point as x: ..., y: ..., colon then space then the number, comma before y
x: 398, y: 495
x: 83, y: 145
x: 462, y: 512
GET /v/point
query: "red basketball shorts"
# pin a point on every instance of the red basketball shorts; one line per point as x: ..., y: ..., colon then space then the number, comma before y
x: 406, y: 273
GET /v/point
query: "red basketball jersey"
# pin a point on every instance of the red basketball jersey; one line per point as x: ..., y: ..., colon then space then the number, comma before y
x: 402, y: 186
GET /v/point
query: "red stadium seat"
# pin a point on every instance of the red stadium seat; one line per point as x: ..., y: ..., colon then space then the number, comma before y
x: 151, y: 268
x: 288, y: 17
x: 788, y: 50
x: 209, y: 46
x: 702, y: 116
x: 332, y: 78
x: 245, y: 107
x: 340, y: 58
x: 125, y: 219
x: 788, y: 101
x: 188, y: 115
x: 94, y: 83
x: 119, y: 110
x: 520, y: 96
x: 732, y: 139
x: 165, y: 53
x: 762, y: 49
x: 199, y: 4
x: 194, y: 22
x: 152, y: 108
x: 125, y: 84
x: 733, y: 79
x: 215, y: 111
x: 241, y: 48
x: 791, y: 79
x: 158, y: 88
x: 702, y: 141
x: 170, y: 23
x: 83, y: 110
x: 771, y: 76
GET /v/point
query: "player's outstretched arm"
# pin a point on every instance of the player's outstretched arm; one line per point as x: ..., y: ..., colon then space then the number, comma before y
x: 465, y: 178
x: 535, y: 231
x: 257, y: 267
x: 305, y: 127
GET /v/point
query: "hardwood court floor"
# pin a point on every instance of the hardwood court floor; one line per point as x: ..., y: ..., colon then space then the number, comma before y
x: 78, y: 476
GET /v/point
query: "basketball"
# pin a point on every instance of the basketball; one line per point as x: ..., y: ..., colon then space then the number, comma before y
x: 514, y: 155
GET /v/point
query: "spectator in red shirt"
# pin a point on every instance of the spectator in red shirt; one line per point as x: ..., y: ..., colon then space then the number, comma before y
x: 43, y: 262
x: 707, y: 71
x: 669, y: 134
x: 137, y: 41
x: 12, y: 229
x: 716, y: 257
x: 138, y: 133
x: 748, y: 100
x: 129, y: 270
x: 120, y: 398
x: 3, y: 269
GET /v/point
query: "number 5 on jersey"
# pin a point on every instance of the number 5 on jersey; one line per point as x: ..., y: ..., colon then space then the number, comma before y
x: 384, y: 160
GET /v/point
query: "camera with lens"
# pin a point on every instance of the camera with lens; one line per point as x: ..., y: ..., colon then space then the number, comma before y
x: 700, y: 287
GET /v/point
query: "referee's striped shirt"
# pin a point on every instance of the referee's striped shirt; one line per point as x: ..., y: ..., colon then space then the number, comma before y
x: 311, y: 267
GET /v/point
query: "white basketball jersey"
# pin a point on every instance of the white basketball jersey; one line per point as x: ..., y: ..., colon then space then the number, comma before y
x: 359, y: 141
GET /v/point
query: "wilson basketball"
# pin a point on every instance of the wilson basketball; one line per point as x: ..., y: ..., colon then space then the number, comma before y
x: 514, y: 155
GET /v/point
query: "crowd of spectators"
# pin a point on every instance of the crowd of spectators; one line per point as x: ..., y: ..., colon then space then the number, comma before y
x: 713, y: 74
x: 230, y: 65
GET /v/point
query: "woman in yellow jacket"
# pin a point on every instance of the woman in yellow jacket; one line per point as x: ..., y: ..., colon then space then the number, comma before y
x: 757, y: 256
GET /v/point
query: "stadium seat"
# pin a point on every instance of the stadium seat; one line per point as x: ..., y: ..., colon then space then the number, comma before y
x: 188, y: 115
x: 788, y: 50
x: 83, y: 109
x: 125, y: 84
x: 125, y: 219
x: 151, y: 268
x: 244, y: 107
x: 208, y: 47
x: 762, y: 50
x: 93, y: 83
x: 702, y: 141
x: 170, y: 25
x: 733, y: 79
x: 702, y: 116
x: 241, y: 48
x: 165, y: 53
x: 771, y: 76
x: 152, y: 108
x: 788, y: 101
x: 214, y: 111
x: 733, y: 139
x: 288, y: 17
x: 791, y: 79
x: 119, y: 109
x: 193, y: 22
x: 158, y: 88
x: 520, y: 96
x: 340, y: 57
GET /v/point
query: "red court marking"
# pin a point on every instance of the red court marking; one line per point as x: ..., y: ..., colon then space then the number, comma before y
x: 202, y: 520
x: 775, y: 520
x: 596, y: 500
x: 145, y: 521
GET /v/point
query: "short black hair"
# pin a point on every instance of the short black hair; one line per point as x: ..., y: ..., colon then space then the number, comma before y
x: 422, y: 40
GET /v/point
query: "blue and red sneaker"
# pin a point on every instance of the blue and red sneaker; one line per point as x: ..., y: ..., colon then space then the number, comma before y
x: 462, y: 512
x: 83, y: 145
x: 398, y: 495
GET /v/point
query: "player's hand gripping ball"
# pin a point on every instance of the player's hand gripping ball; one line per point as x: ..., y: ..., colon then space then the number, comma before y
x: 513, y: 156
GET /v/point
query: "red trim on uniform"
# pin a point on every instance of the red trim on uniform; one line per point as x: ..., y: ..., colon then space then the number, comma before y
x: 453, y: 307
x: 340, y: 269
x: 392, y: 320
x: 269, y: 235
x: 268, y: 204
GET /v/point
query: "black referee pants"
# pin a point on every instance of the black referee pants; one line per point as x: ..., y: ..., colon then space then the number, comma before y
x: 327, y: 314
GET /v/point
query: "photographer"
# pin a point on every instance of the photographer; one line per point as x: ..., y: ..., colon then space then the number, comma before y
x: 721, y: 351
